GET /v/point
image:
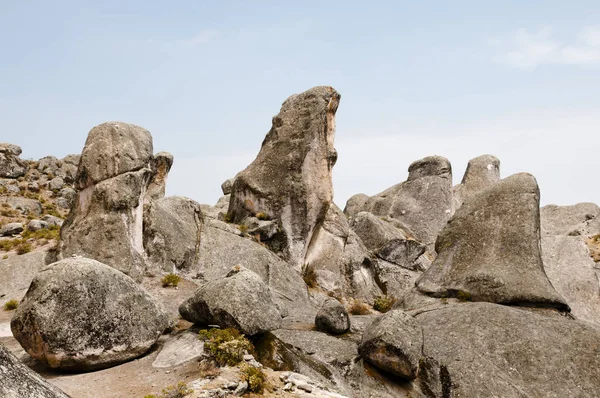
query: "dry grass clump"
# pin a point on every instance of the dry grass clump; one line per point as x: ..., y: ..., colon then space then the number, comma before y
x: 177, y: 391
x: 208, y: 369
x: 359, y: 308
x: 255, y: 378
x: 310, y: 276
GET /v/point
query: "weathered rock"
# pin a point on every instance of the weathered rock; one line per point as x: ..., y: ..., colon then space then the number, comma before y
x: 114, y: 173
x: 261, y: 229
x: 33, y: 187
x: 36, y: 225
x: 574, y: 275
x: 161, y: 165
x: 240, y: 300
x: 112, y: 149
x: 227, y: 186
x: 375, y: 232
x: 570, y: 220
x: 49, y: 165
x: 394, y: 281
x: 482, y: 172
x: 25, y: 205
x: 172, y: 228
x: 10, y: 164
x: 56, y: 183
x: 421, y: 205
x: 393, y: 343
x: 63, y: 203
x: 490, y: 249
x: 290, y: 179
x: 332, y: 317
x: 340, y: 259
x: 403, y: 252
x: 356, y: 204
x: 18, y: 381
x: 116, y: 205
x: 79, y: 314
x: 72, y: 159
x: 12, y: 228
x: 182, y: 348
x: 53, y: 220
x: 489, y: 350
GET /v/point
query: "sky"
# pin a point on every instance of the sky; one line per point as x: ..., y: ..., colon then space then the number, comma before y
x: 519, y: 80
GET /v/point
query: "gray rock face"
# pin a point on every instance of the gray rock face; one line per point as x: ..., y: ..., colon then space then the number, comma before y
x: 393, y: 343
x: 10, y: 229
x: 332, y: 317
x: 182, y: 348
x: 72, y: 159
x: 172, y: 228
x: 56, y: 183
x: 36, y: 225
x: 79, y: 314
x: 161, y: 165
x: 49, y: 165
x: 18, y: 381
x: 341, y: 260
x: 115, y: 171
x: 394, y: 280
x: 227, y: 186
x: 356, y: 204
x: 490, y: 249
x: 421, y: 205
x: 290, y: 179
x: 489, y: 350
x: 574, y: 275
x: 25, y: 205
x: 17, y: 273
x: 572, y: 220
x: 10, y: 164
x: 112, y: 149
x: 52, y: 220
x: 240, y: 300
x: 375, y: 232
x: 482, y: 172
x: 403, y: 252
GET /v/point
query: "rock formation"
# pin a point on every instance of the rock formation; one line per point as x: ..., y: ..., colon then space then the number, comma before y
x: 482, y: 172
x: 11, y: 166
x: 115, y: 170
x: 332, y: 317
x: 18, y: 381
x: 241, y: 300
x: 80, y: 314
x: 290, y: 179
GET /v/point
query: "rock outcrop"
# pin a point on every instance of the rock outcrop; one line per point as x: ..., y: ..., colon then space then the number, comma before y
x: 332, y: 317
x: 490, y: 350
x: 421, y: 205
x: 482, y: 172
x: 11, y: 166
x: 18, y: 381
x: 80, y: 314
x: 115, y: 170
x: 490, y: 249
x: 241, y: 300
x: 172, y: 228
x: 290, y: 179
x: 393, y: 343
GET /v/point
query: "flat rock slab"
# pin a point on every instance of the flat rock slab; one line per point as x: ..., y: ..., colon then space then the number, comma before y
x: 181, y: 348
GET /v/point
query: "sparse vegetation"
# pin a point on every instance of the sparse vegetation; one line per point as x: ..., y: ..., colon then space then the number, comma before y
x: 243, y: 228
x: 310, y: 276
x: 5, y: 257
x: 225, y: 346
x: 208, y: 369
x: 255, y: 378
x: 463, y: 296
x: 49, y: 233
x: 384, y: 303
x: 23, y: 248
x: 170, y: 280
x: 11, y: 305
x: 359, y: 308
x: 227, y: 218
x: 177, y: 391
x: 262, y: 216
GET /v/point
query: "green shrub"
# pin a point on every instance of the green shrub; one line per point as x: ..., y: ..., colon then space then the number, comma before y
x: 243, y: 228
x: 463, y: 296
x: 225, y: 346
x: 227, y: 218
x: 11, y: 305
x: 170, y: 280
x: 7, y: 245
x: 52, y: 232
x: 254, y: 377
x: 384, y: 303
x: 24, y: 247
x: 309, y: 275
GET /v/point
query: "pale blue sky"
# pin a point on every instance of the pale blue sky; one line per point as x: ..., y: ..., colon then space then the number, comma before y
x: 457, y: 79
